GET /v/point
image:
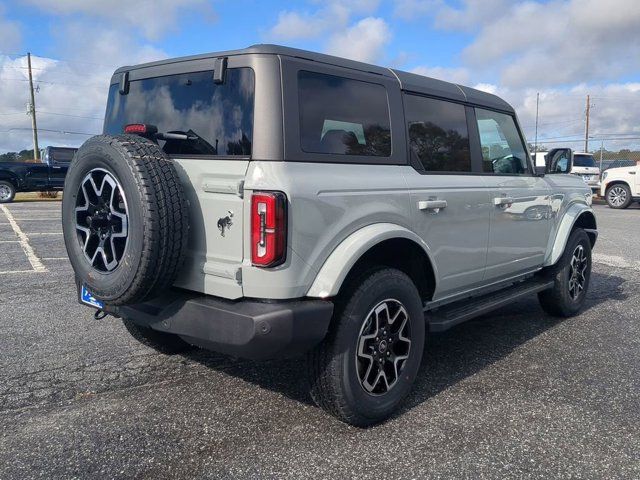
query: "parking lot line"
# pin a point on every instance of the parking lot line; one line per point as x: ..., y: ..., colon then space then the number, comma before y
x: 35, y: 262
x: 45, y: 233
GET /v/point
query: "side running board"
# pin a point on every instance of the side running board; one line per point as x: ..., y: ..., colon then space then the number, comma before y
x: 450, y: 315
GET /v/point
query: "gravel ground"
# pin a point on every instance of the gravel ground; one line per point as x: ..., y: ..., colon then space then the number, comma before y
x: 510, y: 395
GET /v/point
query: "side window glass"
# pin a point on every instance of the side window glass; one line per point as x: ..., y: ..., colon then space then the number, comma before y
x: 502, y: 149
x: 342, y: 116
x: 438, y: 134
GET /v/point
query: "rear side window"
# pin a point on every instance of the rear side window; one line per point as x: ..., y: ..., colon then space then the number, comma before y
x: 343, y: 116
x: 60, y: 155
x: 502, y: 149
x: 438, y: 134
x: 217, y: 119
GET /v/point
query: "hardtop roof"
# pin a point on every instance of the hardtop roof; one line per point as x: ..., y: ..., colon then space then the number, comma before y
x: 408, y: 81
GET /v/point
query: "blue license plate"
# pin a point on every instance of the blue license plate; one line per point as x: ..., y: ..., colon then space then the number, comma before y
x: 86, y: 297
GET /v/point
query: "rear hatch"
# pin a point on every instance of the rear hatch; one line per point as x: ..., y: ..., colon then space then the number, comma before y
x: 206, y: 128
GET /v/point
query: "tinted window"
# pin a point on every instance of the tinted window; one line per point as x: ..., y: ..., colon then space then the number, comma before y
x: 216, y: 118
x: 438, y: 134
x: 343, y: 116
x: 502, y: 148
x: 61, y: 155
x: 581, y: 160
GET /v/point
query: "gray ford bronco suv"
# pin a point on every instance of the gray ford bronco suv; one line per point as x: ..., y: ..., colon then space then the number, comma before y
x: 272, y: 202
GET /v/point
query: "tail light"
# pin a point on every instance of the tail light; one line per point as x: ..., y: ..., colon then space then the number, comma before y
x: 268, y: 228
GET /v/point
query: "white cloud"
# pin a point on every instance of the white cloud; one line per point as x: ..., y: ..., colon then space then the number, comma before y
x: 71, y: 94
x: 333, y: 15
x: 364, y: 41
x: 545, y: 43
x: 450, y: 74
x: 152, y: 18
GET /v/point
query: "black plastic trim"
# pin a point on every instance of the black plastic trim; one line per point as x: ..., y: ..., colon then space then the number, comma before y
x: 253, y: 329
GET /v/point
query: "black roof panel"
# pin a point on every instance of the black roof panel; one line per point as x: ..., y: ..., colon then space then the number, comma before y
x: 408, y: 81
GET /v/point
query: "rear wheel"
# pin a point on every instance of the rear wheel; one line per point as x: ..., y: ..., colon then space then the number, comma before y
x: 163, y: 342
x: 7, y: 191
x: 368, y: 362
x: 571, y: 277
x: 618, y: 196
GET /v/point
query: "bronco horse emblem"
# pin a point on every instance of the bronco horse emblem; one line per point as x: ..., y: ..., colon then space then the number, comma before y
x: 225, y: 223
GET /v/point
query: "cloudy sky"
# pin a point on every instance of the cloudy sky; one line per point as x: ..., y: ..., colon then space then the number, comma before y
x: 563, y: 49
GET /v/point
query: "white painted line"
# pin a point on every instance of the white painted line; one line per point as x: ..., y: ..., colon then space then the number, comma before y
x: 9, y: 241
x: 55, y: 258
x: 18, y: 271
x: 35, y: 262
x: 45, y: 233
x: 38, y: 219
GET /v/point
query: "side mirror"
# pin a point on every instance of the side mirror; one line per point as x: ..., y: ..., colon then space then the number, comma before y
x: 559, y: 160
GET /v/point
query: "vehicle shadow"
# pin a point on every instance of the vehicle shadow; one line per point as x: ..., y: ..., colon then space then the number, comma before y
x: 449, y: 357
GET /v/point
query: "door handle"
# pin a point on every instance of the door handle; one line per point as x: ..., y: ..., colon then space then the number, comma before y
x: 434, y: 205
x: 502, y: 201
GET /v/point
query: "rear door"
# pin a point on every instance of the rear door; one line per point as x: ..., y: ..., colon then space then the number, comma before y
x: 212, y: 128
x: 520, y: 210
x: 450, y: 203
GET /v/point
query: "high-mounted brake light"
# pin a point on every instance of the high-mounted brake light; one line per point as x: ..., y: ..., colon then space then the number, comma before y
x: 141, y: 129
x: 268, y: 228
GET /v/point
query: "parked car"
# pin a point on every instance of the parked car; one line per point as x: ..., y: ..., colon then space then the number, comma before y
x: 271, y: 202
x: 46, y: 175
x: 621, y: 186
x: 584, y: 166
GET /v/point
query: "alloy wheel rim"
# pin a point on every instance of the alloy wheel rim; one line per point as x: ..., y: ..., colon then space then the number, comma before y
x: 5, y: 192
x: 577, y: 277
x: 102, y: 220
x: 384, y: 344
x: 617, y: 196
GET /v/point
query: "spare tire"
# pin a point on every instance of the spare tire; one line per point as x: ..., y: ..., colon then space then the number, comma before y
x: 125, y: 218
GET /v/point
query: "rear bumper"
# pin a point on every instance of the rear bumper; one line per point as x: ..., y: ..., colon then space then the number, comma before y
x: 247, y: 328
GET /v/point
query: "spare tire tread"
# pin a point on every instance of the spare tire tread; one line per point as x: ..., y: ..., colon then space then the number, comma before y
x: 164, y: 219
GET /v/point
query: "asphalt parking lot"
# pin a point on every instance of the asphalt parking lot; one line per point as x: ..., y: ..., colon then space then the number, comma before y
x: 512, y: 394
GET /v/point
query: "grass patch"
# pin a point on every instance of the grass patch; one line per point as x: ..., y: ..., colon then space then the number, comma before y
x: 35, y: 197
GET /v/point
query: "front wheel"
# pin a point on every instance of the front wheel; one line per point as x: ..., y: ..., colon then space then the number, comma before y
x: 618, y: 196
x: 366, y: 365
x: 571, y: 278
x: 7, y: 192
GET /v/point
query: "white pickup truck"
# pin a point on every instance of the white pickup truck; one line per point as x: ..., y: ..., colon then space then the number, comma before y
x: 584, y: 165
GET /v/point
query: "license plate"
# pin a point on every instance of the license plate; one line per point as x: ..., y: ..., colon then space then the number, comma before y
x: 87, y: 298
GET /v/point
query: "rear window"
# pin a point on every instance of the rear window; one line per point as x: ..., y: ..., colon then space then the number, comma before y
x: 342, y: 116
x: 216, y: 118
x: 580, y: 160
x: 62, y: 155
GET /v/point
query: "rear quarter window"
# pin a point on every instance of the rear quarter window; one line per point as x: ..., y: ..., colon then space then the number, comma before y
x: 343, y: 116
x: 217, y: 118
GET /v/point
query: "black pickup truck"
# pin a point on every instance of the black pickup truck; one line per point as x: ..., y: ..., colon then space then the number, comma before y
x: 35, y: 177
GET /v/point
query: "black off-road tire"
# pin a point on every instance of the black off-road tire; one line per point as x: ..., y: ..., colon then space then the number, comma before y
x: 162, y: 342
x: 628, y: 198
x: 158, y: 223
x: 558, y: 301
x: 12, y: 191
x: 333, y: 376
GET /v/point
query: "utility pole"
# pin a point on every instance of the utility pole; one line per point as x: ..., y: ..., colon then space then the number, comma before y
x: 32, y: 111
x: 601, y: 149
x: 586, y: 131
x: 535, y: 146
